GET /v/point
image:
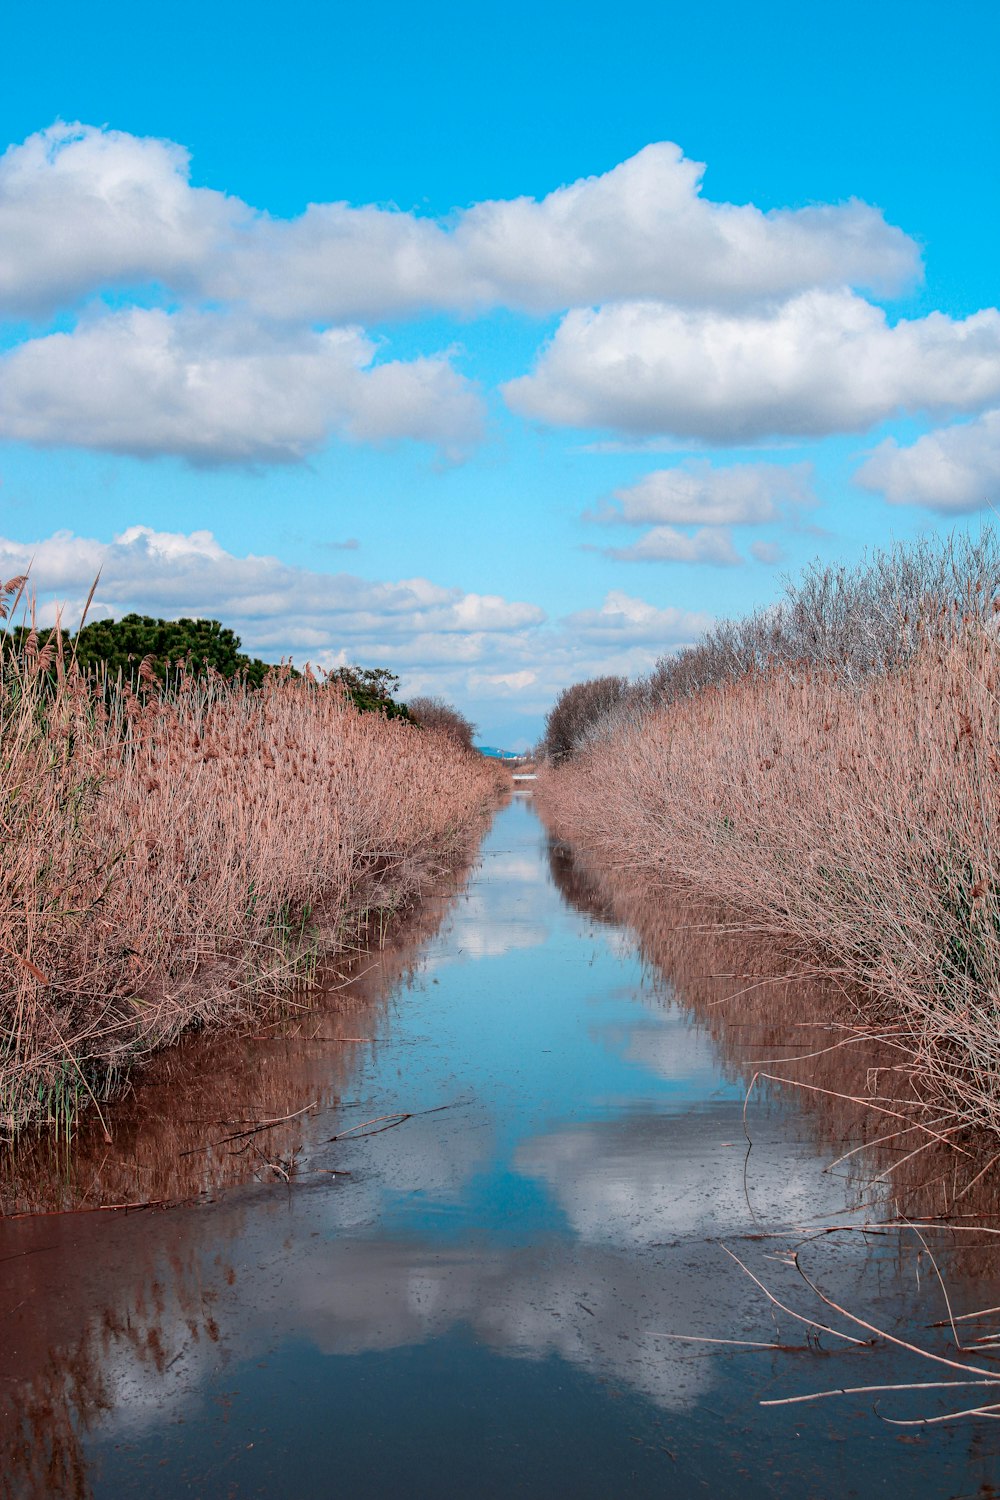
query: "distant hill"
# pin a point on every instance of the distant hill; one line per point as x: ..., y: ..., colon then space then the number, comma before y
x: 495, y: 754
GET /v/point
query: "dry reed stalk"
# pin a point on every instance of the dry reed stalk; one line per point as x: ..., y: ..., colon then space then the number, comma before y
x: 177, y: 859
x: 860, y: 823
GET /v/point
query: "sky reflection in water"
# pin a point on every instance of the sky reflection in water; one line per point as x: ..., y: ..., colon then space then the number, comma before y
x: 475, y: 1302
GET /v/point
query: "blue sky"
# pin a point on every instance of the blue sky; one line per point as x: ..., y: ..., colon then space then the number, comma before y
x: 522, y: 397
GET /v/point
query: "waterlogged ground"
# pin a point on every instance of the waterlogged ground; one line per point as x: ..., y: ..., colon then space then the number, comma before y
x: 477, y: 1300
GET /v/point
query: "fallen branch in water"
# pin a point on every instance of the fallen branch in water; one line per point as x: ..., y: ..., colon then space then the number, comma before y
x: 975, y: 1375
x: 239, y: 1135
x: 96, y: 1208
x: 393, y: 1120
x: 756, y: 1344
x: 799, y: 1317
x: 861, y: 1390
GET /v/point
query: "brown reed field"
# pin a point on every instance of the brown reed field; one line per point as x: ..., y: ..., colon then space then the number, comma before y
x: 855, y: 819
x: 180, y: 858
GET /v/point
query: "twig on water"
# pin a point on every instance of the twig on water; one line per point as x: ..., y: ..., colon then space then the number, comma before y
x: 694, y: 1338
x: 975, y: 1375
x: 799, y: 1317
x: 95, y: 1208
x: 357, y: 1131
x: 867, y: 1390
x: 239, y: 1135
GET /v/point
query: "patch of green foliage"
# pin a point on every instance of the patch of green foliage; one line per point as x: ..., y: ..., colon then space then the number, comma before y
x: 123, y: 642
x: 122, y: 645
x: 972, y: 920
x: 371, y: 690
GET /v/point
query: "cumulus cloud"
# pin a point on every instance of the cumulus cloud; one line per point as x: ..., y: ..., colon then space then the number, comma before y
x: 696, y: 494
x: 503, y: 684
x: 214, y: 389
x: 623, y: 636
x: 644, y: 230
x: 711, y: 499
x: 641, y: 230
x: 953, y: 470
x: 83, y: 208
x: 707, y: 320
x: 491, y: 655
x: 271, y: 604
x: 709, y: 544
x: 820, y: 362
x: 623, y: 619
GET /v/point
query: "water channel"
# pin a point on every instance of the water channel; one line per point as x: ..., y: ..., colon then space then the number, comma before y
x: 477, y: 1299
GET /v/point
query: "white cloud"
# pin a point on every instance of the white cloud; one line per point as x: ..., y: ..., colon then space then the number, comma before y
x: 709, y: 544
x: 623, y: 636
x: 821, y: 362
x: 273, y: 606
x: 503, y: 684
x: 643, y: 230
x: 82, y: 208
x: 623, y: 619
x: 712, y: 499
x: 213, y: 389
x: 953, y: 470
x: 491, y: 656
x: 713, y: 320
x: 696, y: 494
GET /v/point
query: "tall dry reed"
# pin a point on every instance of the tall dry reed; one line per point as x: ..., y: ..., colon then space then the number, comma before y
x: 173, y: 859
x: 861, y: 821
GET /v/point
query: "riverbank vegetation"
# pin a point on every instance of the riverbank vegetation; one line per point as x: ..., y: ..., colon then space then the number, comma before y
x: 828, y: 773
x: 436, y: 714
x: 178, y: 853
x: 113, y: 647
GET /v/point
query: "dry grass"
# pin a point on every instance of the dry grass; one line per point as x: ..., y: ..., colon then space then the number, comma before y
x: 860, y: 821
x: 209, y: 1083
x: 179, y: 859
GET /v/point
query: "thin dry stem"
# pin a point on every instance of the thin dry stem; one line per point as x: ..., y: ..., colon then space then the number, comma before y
x: 181, y: 858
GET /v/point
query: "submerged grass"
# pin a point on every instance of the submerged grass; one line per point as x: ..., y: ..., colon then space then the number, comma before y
x: 180, y: 858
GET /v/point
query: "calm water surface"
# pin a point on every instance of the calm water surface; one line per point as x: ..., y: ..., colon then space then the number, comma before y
x: 474, y: 1302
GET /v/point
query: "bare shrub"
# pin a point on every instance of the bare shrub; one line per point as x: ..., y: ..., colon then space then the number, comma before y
x: 863, y: 620
x: 576, y: 710
x: 436, y: 714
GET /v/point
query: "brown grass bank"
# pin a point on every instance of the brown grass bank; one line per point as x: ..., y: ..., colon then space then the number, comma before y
x: 785, y: 1030
x: 169, y: 1126
x: 179, y: 859
x: 855, y: 822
